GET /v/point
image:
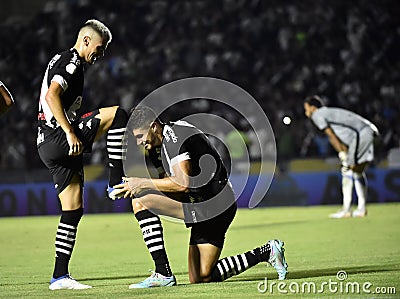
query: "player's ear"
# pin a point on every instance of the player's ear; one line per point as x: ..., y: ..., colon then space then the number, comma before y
x: 86, y: 40
x: 153, y: 126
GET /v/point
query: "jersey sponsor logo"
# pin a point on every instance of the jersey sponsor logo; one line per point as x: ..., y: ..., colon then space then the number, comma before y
x: 54, y: 60
x: 194, y: 217
x: 87, y: 115
x: 170, y: 134
x: 75, y: 60
x: 73, y: 64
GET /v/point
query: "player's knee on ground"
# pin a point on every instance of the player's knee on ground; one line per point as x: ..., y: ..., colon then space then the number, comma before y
x: 204, y: 276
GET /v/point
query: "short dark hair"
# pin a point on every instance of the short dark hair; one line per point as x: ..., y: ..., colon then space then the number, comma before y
x: 141, y: 117
x: 314, y: 101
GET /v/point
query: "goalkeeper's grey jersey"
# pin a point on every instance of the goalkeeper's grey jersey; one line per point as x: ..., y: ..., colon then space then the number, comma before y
x: 344, y: 123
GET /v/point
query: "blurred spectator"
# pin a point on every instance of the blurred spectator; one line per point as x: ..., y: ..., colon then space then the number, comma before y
x: 278, y: 51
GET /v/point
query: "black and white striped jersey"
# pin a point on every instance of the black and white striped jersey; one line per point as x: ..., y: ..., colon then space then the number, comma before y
x: 66, y: 69
x: 183, y: 141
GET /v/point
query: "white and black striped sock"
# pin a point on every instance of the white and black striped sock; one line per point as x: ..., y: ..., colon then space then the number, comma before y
x: 234, y: 265
x: 116, y: 147
x: 152, y: 231
x: 65, y: 240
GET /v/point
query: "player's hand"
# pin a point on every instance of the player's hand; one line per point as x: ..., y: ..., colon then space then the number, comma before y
x: 130, y: 187
x: 343, y: 158
x: 75, y: 145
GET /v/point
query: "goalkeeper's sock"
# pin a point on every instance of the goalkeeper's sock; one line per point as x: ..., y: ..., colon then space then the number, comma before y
x: 65, y: 240
x: 152, y: 230
x: 361, y: 186
x: 116, y: 149
x: 347, y: 189
x: 234, y: 265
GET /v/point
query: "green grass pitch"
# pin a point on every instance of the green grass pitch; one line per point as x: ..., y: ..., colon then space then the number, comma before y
x: 110, y: 254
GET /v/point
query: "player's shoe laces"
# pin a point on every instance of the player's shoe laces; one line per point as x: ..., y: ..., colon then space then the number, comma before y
x: 66, y: 282
x: 359, y: 213
x: 340, y: 214
x: 277, y: 258
x: 114, y: 193
x: 155, y: 280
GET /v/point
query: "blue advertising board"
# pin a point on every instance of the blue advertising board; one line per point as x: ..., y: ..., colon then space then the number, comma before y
x: 286, y: 189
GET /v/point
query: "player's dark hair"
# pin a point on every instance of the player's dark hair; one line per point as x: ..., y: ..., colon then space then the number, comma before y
x: 314, y: 101
x: 141, y: 117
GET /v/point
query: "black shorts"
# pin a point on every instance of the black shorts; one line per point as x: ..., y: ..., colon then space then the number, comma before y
x: 54, y: 150
x: 213, y: 231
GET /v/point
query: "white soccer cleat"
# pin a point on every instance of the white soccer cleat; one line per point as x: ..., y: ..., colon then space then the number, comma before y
x: 340, y: 214
x: 277, y: 258
x: 155, y: 280
x: 359, y: 213
x: 66, y: 282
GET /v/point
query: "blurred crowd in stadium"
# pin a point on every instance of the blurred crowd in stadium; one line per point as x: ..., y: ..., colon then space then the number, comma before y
x: 278, y: 51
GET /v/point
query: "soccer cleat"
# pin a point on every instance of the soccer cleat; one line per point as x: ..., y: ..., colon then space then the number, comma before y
x: 155, y: 280
x: 114, y: 193
x: 340, y: 214
x: 66, y: 282
x: 359, y: 213
x: 277, y: 258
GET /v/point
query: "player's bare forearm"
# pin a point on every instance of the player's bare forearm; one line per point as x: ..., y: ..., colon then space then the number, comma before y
x: 167, y: 184
x: 54, y: 101
x: 179, y: 183
x: 334, y: 141
x: 134, y: 186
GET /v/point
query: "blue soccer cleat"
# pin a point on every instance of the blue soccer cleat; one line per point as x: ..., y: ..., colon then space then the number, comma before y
x: 277, y: 258
x: 155, y: 280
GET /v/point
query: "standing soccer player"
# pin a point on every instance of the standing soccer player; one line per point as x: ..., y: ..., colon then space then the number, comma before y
x: 193, y: 185
x: 63, y: 136
x: 352, y: 137
x: 6, y: 99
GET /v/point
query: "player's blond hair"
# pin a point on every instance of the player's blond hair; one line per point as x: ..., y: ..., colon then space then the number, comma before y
x: 100, y: 28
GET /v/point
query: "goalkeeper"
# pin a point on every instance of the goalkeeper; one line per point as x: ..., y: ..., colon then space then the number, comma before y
x: 352, y: 137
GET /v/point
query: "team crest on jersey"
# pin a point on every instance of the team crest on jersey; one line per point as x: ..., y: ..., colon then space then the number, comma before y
x: 70, y: 68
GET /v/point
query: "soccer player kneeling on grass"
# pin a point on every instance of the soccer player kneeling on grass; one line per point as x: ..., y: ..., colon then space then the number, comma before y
x: 193, y: 186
